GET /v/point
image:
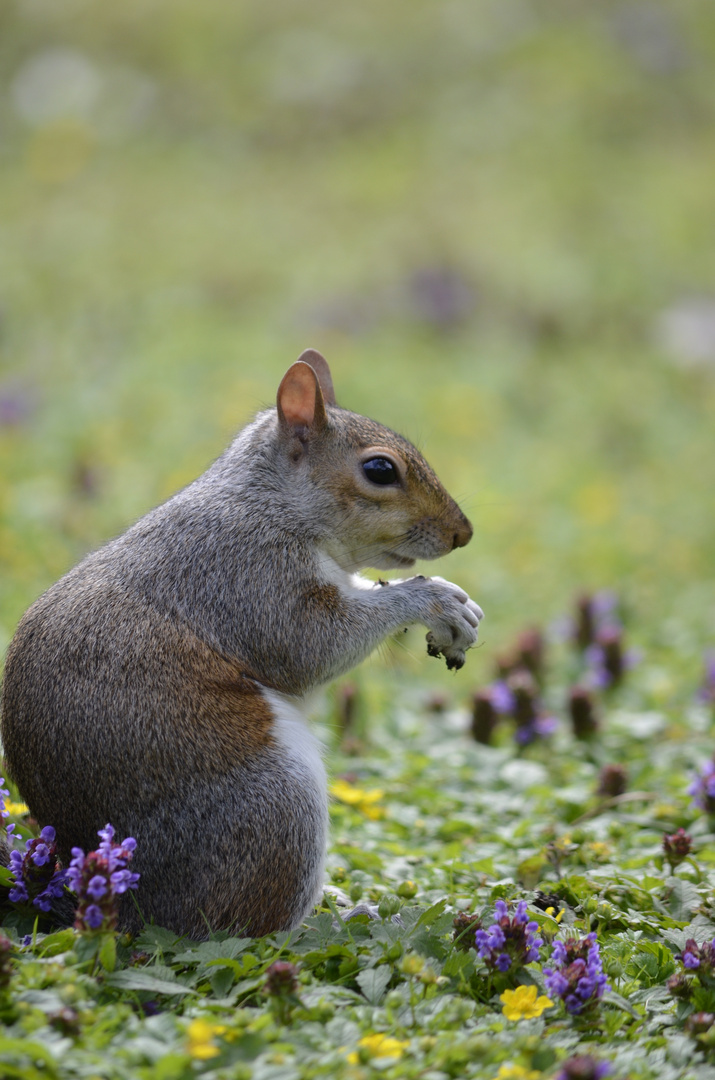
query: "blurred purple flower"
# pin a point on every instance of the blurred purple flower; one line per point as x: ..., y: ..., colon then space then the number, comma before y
x: 583, y: 1067
x: 700, y: 958
x: 608, y: 659
x: 702, y: 788
x: 706, y: 693
x: 595, y: 612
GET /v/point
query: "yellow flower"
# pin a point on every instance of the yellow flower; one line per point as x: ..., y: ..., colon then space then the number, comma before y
x: 523, y: 1004
x: 362, y: 800
x: 201, y: 1044
x: 517, y: 1072
x: 16, y: 808
x: 556, y: 917
x: 378, y: 1046
x: 599, y: 849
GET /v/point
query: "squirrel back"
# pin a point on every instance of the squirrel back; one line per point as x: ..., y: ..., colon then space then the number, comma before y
x: 158, y: 684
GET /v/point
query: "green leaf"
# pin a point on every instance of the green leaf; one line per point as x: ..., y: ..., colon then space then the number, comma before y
x: 373, y: 982
x: 683, y: 899
x: 208, y: 952
x: 60, y: 942
x: 428, y: 917
x: 143, y: 979
x: 156, y: 938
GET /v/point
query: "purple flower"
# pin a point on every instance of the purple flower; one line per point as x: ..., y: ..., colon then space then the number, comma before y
x: 595, y: 612
x: 700, y: 958
x: 608, y: 659
x: 93, y: 916
x: 97, y: 887
x: 577, y: 975
x: 510, y: 942
x: 583, y: 1067
x: 518, y: 697
x: 38, y: 877
x: 539, y: 728
x: 99, y: 878
x: 502, y: 697
x: 706, y: 693
x: 702, y: 788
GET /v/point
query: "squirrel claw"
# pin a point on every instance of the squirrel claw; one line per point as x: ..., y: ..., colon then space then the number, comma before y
x: 432, y: 649
x: 455, y: 661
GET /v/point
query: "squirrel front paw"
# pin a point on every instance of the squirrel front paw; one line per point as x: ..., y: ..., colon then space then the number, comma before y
x: 453, y: 621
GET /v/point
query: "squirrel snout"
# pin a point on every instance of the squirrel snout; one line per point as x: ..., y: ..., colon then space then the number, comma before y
x: 463, y: 533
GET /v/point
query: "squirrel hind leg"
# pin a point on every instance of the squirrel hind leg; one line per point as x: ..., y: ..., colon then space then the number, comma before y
x: 252, y: 852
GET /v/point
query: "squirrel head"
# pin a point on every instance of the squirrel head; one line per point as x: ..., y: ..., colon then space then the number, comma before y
x: 380, y: 502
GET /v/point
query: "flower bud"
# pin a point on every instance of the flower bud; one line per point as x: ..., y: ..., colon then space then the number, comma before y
x: 484, y: 717
x: 676, y: 847
x: 281, y: 979
x: 612, y: 781
x: 582, y: 710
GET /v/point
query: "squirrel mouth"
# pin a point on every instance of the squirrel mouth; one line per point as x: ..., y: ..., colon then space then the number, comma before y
x: 400, y: 561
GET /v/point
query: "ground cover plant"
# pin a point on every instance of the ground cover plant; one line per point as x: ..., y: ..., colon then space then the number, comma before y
x: 543, y: 904
x: 494, y: 218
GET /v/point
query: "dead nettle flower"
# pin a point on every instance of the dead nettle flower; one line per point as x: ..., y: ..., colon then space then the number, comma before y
x: 582, y: 710
x: 612, y: 781
x: 676, y: 847
x: 518, y: 697
x: 281, y: 986
x: 527, y: 654
x: 510, y: 942
x: 608, y: 659
x: 99, y: 879
x: 706, y: 693
x: 594, y: 612
x: 702, y: 788
x: 38, y: 877
x: 583, y: 1067
x: 484, y: 717
x: 700, y: 959
x: 281, y: 979
x: 577, y: 975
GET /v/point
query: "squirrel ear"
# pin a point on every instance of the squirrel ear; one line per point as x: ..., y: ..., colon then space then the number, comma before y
x: 320, y: 366
x: 300, y: 399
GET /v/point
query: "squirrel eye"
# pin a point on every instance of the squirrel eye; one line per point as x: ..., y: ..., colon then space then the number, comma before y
x: 380, y: 470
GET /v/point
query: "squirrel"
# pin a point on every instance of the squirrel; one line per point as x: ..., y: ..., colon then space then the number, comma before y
x: 158, y: 685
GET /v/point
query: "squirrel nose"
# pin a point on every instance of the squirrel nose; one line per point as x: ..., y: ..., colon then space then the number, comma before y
x: 463, y: 534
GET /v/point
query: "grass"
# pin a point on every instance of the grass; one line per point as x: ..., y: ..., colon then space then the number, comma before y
x: 482, y: 214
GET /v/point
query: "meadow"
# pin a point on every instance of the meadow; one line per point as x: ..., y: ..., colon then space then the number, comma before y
x: 495, y: 219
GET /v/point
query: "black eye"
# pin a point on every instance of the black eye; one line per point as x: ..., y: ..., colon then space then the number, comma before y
x: 380, y: 470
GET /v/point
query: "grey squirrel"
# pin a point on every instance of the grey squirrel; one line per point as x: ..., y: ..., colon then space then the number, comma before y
x: 158, y: 685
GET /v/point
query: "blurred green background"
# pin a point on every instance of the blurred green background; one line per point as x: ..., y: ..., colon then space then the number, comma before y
x: 496, y: 218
